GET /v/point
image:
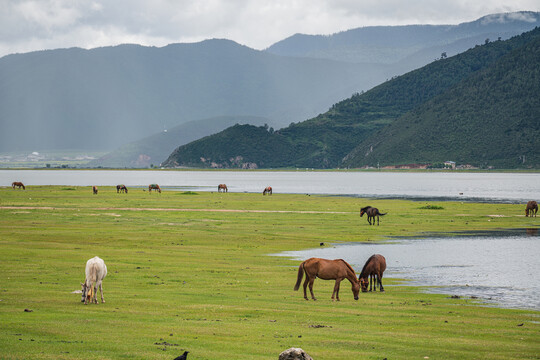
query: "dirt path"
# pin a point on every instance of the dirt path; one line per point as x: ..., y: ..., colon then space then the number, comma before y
x: 173, y: 209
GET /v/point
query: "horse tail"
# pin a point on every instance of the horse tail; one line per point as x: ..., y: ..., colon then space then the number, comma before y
x: 300, y: 276
x: 383, y: 214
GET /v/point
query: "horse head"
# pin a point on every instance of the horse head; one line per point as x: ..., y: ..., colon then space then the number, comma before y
x: 84, y: 291
x: 364, y: 210
x: 364, y: 282
x: 356, y: 289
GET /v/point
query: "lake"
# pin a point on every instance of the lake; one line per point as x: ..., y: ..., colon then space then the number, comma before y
x: 466, y: 186
x: 500, y: 268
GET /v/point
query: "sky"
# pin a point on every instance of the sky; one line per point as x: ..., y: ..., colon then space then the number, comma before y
x: 30, y: 25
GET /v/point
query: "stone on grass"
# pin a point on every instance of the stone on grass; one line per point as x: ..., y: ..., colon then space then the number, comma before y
x: 294, y: 354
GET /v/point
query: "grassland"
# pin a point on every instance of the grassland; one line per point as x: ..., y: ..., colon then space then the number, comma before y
x: 191, y: 272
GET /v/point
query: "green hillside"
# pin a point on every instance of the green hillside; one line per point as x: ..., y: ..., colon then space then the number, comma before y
x: 489, y: 119
x: 324, y: 141
x: 154, y: 149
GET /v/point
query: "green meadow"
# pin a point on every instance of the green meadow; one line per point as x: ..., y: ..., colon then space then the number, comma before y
x: 192, y: 271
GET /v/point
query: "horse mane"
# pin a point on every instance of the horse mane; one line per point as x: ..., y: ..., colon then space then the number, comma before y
x: 365, y: 265
x: 349, y: 267
x: 365, y: 208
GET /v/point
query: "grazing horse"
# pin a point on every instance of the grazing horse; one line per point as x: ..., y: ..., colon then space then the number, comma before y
x: 267, y: 190
x: 371, y: 213
x: 326, y: 270
x: 532, y: 208
x: 222, y: 188
x: 155, y: 187
x: 121, y: 188
x: 95, y: 272
x: 372, y: 273
x: 18, y: 184
x: 94, y: 190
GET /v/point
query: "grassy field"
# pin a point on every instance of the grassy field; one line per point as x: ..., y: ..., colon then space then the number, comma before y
x: 191, y: 271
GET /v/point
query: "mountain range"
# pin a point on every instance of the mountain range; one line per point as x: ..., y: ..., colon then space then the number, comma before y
x: 480, y: 107
x: 108, y: 97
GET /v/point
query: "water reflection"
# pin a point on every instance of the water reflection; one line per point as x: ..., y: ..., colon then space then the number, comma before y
x: 500, y: 267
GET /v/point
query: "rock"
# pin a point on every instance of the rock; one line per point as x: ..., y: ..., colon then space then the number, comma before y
x: 294, y: 354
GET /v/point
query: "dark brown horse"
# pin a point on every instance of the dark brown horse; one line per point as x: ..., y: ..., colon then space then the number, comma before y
x: 121, y: 188
x: 372, y: 273
x: 222, y: 188
x: 18, y: 184
x: 371, y: 213
x: 326, y: 270
x: 532, y: 208
x: 94, y: 190
x: 267, y: 190
x: 154, y: 187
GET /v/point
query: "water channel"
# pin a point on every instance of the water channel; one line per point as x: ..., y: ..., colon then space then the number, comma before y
x: 499, y: 268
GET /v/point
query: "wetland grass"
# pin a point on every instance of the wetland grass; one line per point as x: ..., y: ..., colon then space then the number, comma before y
x: 193, y: 273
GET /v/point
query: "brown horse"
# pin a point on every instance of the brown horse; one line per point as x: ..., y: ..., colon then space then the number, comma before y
x: 532, y: 208
x: 154, y: 187
x: 326, y: 270
x: 94, y: 190
x: 372, y: 273
x: 371, y: 213
x: 222, y: 188
x: 121, y: 188
x: 267, y: 190
x: 18, y: 184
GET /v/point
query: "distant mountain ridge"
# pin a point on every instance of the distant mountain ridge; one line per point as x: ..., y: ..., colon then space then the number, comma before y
x: 393, y: 44
x: 448, y: 104
x: 106, y: 97
x: 103, y: 98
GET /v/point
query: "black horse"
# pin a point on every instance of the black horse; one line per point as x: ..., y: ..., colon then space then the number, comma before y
x: 371, y: 213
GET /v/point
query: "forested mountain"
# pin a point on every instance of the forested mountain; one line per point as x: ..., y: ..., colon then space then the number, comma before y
x: 105, y: 97
x: 153, y: 149
x: 370, y: 118
x: 490, y: 119
x: 409, y: 46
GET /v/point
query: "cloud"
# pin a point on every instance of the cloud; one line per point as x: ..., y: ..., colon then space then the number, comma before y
x: 27, y: 25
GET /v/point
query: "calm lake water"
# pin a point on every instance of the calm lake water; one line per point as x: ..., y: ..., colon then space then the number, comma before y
x: 499, y: 268
x: 498, y: 187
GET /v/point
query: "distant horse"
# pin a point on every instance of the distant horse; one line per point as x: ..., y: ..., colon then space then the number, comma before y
x: 532, y: 208
x: 95, y: 272
x: 18, y: 184
x: 121, y: 188
x: 267, y: 190
x: 372, y: 273
x: 371, y: 213
x: 154, y: 187
x: 222, y: 188
x: 94, y: 190
x: 326, y: 270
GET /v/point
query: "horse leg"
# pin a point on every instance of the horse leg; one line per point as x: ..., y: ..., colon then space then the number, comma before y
x: 381, y: 288
x: 311, y: 281
x: 336, y: 289
x: 371, y: 282
x: 377, y: 220
x: 305, y: 286
x: 101, y: 291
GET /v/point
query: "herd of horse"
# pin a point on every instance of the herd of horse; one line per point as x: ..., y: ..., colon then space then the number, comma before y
x: 338, y: 270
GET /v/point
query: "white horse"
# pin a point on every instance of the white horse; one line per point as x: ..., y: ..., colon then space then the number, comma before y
x: 95, y: 271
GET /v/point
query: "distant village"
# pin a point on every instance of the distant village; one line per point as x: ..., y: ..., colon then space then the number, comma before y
x: 37, y: 159
x: 451, y: 165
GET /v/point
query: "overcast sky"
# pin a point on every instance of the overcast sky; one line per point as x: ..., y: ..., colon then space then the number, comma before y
x: 28, y: 25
